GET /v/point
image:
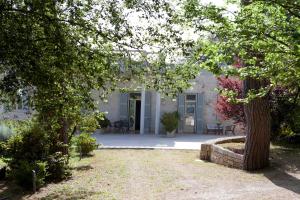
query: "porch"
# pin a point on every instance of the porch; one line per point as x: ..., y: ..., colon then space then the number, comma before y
x: 151, y: 141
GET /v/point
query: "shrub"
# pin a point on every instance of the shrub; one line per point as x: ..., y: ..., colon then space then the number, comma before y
x: 285, y: 131
x: 103, y: 122
x: 226, y: 109
x: 29, y: 147
x: 23, y: 173
x: 85, y: 143
x: 57, y: 167
x: 31, y: 143
x: 170, y: 121
x: 88, y: 123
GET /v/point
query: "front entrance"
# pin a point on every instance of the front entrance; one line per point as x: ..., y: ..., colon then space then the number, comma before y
x: 189, y: 114
x: 135, y: 111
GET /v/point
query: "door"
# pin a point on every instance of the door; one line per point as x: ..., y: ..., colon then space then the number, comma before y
x: 189, y: 123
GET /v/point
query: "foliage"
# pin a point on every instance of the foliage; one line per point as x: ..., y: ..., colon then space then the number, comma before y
x: 296, y: 120
x: 284, y: 110
x: 264, y: 35
x: 88, y: 122
x: 103, y: 121
x: 30, y: 143
x: 3, y: 148
x: 283, y: 103
x: 57, y: 167
x: 9, y: 127
x: 30, y: 146
x: 170, y: 121
x: 85, y: 144
x: 23, y: 173
x: 63, y: 51
x: 285, y: 131
x: 225, y: 108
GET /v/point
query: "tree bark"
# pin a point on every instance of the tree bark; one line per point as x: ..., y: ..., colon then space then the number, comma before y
x: 258, y: 128
x: 64, y: 136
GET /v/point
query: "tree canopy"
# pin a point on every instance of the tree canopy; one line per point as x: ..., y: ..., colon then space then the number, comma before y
x: 264, y: 35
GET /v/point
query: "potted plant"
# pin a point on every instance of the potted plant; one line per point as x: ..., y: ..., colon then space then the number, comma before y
x: 170, y: 122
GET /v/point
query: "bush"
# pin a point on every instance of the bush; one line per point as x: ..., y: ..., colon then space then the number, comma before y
x: 57, y: 167
x: 170, y: 121
x: 31, y: 143
x: 285, y: 131
x: 85, y: 143
x: 89, y: 123
x: 31, y: 146
x: 103, y: 122
x: 23, y: 173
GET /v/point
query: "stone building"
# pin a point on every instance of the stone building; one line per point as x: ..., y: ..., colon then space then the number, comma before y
x: 144, y: 108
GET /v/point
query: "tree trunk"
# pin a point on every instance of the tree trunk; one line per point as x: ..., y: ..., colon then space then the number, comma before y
x: 63, y: 132
x: 258, y: 128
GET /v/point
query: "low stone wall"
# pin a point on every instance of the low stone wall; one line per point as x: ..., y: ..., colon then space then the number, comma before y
x: 213, y: 152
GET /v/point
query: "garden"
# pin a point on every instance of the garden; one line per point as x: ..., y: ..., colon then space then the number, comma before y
x: 57, y: 53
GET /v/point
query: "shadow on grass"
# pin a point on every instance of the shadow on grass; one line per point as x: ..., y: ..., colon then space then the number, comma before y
x: 9, y: 191
x: 83, y: 168
x: 283, y: 179
x: 284, y: 167
x: 68, y: 195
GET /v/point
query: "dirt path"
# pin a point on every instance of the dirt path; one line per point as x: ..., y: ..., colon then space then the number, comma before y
x: 172, y: 174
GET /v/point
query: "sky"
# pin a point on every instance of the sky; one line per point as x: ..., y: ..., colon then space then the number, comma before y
x: 188, y: 33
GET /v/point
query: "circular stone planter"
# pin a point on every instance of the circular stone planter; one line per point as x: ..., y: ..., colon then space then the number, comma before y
x: 215, y: 153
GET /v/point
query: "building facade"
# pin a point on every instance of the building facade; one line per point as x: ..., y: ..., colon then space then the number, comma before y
x: 143, y: 109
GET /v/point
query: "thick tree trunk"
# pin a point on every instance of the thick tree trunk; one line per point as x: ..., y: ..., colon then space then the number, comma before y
x: 258, y: 120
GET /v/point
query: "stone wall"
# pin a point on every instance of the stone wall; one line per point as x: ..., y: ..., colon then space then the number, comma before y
x: 213, y: 152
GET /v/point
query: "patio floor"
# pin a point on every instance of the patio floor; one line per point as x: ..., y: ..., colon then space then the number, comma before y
x: 151, y: 141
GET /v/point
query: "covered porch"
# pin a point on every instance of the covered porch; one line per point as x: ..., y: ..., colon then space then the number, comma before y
x: 140, y: 111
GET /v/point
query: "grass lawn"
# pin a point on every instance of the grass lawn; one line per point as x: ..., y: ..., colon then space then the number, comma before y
x: 170, y: 174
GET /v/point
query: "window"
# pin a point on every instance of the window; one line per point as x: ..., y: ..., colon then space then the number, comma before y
x: 190, y: 104
x: 135, y: 96
x: 190, y: 97
x: 190, y: 110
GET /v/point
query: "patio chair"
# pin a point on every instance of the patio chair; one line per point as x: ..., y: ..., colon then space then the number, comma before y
x: 214, y: 128
x: 121, y: 125
x: 229, y: 129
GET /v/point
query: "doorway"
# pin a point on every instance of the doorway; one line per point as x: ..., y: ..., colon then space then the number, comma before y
x: 190, y: 114
x: 135, y: 111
